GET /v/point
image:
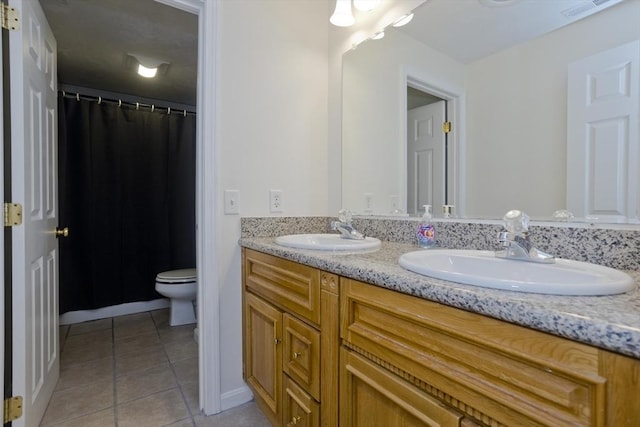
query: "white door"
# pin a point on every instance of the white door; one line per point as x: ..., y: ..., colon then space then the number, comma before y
x: 425, y: 157
x: 32, y: 59
x: 603, y: 127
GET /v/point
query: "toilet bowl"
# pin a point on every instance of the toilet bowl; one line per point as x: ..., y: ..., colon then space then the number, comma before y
x: 181, y: 288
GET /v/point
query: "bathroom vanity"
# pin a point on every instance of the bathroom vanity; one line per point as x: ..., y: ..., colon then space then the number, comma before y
x: 334, y: 339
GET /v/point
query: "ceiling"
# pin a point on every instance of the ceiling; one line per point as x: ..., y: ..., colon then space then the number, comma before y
x: 468, y: 30
x: 95, y: 37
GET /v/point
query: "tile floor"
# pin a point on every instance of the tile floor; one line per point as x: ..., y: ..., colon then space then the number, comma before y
x: 134, y: 370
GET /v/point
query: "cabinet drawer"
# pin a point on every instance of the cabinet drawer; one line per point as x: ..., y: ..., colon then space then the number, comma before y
x: 290, y: 285
x: 372, y: 396
x: 511, y: 374
x: 300, y: 410
x: 301, y: 358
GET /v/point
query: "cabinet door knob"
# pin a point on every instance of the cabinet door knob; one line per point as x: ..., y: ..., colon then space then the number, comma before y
x: 276, y: 341
x: 295, y: 420
x: 296, y: 355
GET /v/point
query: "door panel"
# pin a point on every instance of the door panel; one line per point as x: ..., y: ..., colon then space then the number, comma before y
x: 34, y: 185
x: 603, y: 131
x: 425, y: 157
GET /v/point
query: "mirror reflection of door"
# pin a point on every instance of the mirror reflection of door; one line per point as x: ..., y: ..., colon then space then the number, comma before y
x: 426, y: 151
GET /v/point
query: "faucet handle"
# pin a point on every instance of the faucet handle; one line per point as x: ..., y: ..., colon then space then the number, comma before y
x: 344, y: 215
x: 516, y: 222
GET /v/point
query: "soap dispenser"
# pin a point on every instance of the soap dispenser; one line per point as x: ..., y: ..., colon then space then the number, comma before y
x: 426, y: 233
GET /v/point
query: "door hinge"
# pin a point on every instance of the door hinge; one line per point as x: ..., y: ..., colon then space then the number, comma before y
x: 10, y: 18
x: 12, y: 409
x: 12, y: 214
x: 446, y: 127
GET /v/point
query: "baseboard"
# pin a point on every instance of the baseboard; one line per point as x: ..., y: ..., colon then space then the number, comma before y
x: 234, y: 398
x: 80, y: 316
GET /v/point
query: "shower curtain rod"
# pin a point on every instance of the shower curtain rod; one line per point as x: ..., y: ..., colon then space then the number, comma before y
x: 136, y: 105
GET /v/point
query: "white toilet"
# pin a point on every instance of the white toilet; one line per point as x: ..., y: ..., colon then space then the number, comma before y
x: 181, y: 288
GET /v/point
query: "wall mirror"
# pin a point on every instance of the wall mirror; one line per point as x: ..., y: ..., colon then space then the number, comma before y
x: 502, y: 68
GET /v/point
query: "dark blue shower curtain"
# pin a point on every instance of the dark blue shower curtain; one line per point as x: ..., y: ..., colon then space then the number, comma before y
x: 127, y: 194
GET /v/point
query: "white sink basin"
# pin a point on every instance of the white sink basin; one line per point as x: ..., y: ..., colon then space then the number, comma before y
x: 482, y: 268
x: 327, y: 242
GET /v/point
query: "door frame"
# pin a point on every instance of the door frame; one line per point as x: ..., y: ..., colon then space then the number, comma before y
x: 456, y: 140
x: 206, y: 203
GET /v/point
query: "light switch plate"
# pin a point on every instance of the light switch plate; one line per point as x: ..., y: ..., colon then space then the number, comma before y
x: 231, y: 201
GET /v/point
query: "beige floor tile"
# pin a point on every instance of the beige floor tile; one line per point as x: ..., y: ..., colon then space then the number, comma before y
x: 104, y: 418
x: 132, y: 362
x: 191, y: 393
x: 161, y: 318
x: 176, y: 333
x: 180, y: 350
x: 186, y: 370
x: 247, y: 415
x: 183, y: 423
x: 78, y: 401
x: 145, y: 383
x: 137, y: 343
x: 85, y: 353
x: 133, y: 327
x: 77, y: 374
x: 90, y: 338
x: 91, y: 326
x: 159, y: 409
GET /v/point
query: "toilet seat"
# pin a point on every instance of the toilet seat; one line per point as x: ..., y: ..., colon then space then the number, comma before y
x: 185, y: 275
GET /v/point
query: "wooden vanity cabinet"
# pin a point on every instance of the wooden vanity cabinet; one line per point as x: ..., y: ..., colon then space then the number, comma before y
x: 291, y: 340
x: 409, y: 361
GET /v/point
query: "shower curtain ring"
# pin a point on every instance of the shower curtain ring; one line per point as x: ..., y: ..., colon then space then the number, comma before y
x: 168, y: 111
x: 137, y: 105
x: 153, y: 107
x: 119, y: 102
x: 99, y: 100
x: 77, y: 96
x: 185, y: 113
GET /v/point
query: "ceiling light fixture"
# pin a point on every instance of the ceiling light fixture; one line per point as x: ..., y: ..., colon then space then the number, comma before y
x: 148, y: 67
x: 342, y: 16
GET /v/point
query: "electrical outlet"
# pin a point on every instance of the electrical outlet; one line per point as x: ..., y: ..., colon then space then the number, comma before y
x: 231, y: 200
x: 275, y: 201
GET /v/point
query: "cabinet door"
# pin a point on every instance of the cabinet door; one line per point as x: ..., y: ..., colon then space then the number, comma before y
x: 372, y: 396
x: 263, y: 353
x: 300, y: 410
x: 302, y: 354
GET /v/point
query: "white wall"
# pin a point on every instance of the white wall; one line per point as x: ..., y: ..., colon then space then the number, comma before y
x: 374, y: 126
x: 517, y: 111
x: 272, y: 114
x: 278, y: 117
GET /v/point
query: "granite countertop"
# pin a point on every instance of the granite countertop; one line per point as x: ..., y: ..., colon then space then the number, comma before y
x: 609, y: 322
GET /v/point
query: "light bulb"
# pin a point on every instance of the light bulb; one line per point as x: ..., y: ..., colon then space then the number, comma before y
x: 146, y: 71
x: 403, y: 20
x: 365, y: 5
x: 342, y: 16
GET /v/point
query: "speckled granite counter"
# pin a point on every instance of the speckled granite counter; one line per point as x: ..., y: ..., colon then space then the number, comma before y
x: 609, y: 322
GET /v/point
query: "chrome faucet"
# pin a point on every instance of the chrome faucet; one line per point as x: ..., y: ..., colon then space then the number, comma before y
x: 516, y: 241
x: 344, y: 226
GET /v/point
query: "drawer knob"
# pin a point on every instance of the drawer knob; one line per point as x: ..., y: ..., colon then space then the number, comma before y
x: 276, y: 341
x: 296, y: 355
x: 295, y: 420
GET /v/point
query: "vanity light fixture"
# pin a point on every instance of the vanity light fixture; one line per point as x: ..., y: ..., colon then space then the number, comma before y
x: 342, y: 16
x: 404, y: 20
x: 148, y: 72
